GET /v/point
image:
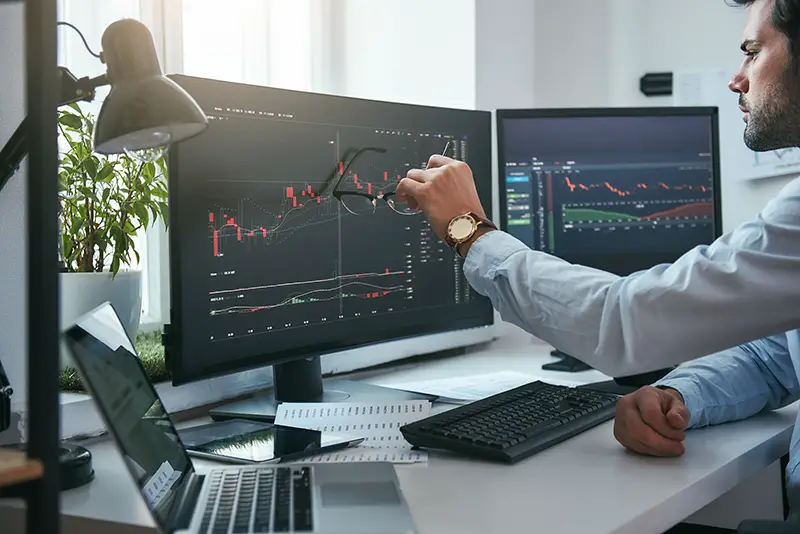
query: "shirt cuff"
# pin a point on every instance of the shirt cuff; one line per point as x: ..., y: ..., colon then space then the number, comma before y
x: 488, y: 252
x: 691, y: 395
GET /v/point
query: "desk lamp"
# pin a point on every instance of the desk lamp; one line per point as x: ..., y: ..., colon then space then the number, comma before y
x: 143, y: 111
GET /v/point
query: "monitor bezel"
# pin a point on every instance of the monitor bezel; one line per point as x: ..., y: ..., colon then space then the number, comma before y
x: 173, y: 342
x: 711, y: 112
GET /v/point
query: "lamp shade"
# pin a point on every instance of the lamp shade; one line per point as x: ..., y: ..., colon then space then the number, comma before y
x: 144, y: 108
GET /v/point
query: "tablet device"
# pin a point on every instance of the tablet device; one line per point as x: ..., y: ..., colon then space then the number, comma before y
x: 243, y: 442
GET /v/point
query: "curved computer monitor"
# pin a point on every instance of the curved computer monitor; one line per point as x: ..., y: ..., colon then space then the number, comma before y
x: 274, y: 264
x: 618, y: 189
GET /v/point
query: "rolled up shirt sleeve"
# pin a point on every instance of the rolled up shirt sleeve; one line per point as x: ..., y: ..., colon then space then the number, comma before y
x: 737, y: 383
x: 744, y: 286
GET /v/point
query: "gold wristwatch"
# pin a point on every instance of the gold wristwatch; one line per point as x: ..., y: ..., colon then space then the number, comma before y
x: 463, y: 227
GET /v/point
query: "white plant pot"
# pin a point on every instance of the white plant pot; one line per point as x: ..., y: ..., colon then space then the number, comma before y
x: 82, y: 292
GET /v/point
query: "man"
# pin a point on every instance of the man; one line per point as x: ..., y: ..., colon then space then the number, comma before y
x: 744, y: 287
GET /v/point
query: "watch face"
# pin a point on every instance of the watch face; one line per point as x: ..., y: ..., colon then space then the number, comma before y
x: 461, y: 228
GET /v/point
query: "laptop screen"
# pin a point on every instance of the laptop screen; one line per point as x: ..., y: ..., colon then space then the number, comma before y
x: 132, y: 410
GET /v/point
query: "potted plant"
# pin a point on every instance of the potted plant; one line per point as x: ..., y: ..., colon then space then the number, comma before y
x: 105, y: 202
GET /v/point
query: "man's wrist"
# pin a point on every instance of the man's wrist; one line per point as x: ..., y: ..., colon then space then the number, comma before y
x: 463, y: 248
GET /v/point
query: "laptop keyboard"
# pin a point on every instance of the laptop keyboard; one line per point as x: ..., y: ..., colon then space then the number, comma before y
x: 258, y: 499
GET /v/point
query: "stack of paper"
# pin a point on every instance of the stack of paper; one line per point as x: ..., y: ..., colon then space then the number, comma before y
x: 379, y: 424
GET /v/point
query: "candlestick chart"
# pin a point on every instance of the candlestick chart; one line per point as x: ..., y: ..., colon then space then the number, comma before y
x: 284, y: 252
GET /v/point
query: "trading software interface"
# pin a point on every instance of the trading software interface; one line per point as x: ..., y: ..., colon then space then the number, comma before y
x: 271, y: 261
x: 588, y: 186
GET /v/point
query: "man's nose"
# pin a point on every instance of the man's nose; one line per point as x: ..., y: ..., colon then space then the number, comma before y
x: 739, y: 83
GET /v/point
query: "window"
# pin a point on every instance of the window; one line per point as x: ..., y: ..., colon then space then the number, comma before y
x: 354, y: 48
x: 265, y: 42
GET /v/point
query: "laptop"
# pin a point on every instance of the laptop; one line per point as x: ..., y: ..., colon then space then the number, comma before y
x: 348, y: 498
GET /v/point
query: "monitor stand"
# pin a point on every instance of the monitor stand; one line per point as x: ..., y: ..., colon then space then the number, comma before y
x: 567, y: 364
x: 301, y: 381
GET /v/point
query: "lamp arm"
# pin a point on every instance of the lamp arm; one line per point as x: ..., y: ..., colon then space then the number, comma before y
x: 5, y: 400
x: 72, y: 90
x: 13, y: 153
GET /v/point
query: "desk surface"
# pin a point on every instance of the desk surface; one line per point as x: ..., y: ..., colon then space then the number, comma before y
x: 586, y: 484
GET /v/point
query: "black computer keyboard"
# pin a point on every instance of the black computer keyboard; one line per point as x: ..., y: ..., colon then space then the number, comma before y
x: 514, y: 424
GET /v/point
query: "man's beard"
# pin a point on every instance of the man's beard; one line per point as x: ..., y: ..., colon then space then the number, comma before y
x: 775, y: 122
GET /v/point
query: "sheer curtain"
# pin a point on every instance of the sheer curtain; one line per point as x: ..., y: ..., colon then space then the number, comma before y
x: 263, y: 42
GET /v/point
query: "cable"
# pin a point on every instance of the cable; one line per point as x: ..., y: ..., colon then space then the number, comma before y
x: 98, y: 56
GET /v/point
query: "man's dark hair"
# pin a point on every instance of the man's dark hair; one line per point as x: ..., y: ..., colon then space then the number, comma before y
x: 785, y: 19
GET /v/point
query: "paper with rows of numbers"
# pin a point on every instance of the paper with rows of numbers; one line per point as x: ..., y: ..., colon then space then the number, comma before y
x: 379, y: 424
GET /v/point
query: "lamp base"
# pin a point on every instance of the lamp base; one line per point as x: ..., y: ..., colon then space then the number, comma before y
x: 75, y: 469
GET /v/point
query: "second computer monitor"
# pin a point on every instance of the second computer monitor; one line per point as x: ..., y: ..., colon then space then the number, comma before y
x: 619, y: 189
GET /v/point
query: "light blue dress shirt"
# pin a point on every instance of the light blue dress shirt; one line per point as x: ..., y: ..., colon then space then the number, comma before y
x: 734, y: 304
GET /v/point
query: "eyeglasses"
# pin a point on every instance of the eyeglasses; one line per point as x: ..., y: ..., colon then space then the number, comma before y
x: 365, y: 203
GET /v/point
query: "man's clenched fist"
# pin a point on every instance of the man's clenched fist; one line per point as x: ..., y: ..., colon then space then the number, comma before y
x: 652, y: 421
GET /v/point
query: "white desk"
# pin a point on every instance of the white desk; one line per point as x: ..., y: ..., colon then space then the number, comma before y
x: 588, y: 484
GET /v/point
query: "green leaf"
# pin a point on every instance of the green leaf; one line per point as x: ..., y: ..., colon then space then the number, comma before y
x: 159, y: 193
x: 74, y: 105
x: 90, y: 164
x: 71, y: 121
x: 164, y: 212
x: 141, y: 212
x: 105, y: 174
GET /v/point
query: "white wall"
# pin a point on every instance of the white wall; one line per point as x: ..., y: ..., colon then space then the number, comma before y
x: 504, y: 63
x: 413, y: 51
x: 571, y: 53
x: 13, y: 311
x: 591, y: 53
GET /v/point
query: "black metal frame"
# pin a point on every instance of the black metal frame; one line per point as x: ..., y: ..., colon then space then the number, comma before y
x: 43, y: 327
x: 40, y: 129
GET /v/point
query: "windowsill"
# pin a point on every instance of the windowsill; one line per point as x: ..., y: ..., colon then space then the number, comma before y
x: 79, y: 416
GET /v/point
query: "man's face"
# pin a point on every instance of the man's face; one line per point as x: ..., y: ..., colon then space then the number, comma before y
x: 768, y: 86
